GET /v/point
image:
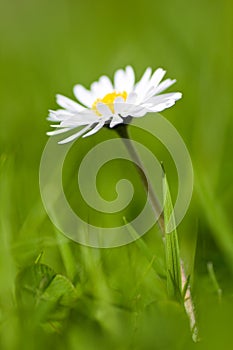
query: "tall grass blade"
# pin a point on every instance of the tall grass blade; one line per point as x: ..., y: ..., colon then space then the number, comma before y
x: 174, y: 288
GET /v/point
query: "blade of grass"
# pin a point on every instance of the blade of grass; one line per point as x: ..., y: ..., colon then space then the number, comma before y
x: 178, y: 287
x: 214, y: 280
x: 174, y: 288
x: 158, y: 268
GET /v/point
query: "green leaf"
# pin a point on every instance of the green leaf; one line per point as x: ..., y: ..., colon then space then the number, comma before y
x: 49, y: 295
x: 174, y: 288
x: 31, y: 283
x: 60, y: 291
x: 56, y: 301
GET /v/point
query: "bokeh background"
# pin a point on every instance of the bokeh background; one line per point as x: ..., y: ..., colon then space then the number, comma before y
x: 46, y: 48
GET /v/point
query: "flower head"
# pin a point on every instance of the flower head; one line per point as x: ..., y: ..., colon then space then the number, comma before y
x: 108, y: 103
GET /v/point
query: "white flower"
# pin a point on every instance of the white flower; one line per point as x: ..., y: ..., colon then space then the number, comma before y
x: 109, y: 103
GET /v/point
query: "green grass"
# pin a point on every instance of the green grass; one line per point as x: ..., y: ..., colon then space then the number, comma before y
x: 114, y: 298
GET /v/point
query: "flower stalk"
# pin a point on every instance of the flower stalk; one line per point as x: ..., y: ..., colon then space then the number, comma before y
x: 122, y: 131
x: 177, y: 281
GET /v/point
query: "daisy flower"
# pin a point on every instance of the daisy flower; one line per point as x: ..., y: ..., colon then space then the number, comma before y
x: 109, y: 103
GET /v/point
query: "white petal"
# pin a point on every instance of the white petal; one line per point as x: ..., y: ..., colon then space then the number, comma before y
x: 129, y: 79
x: 161, y: 106
x: 56, y: 132
x: 140, y: 86
x: 119, y: 80
x: 106, y: 82
x: 102, y: 87
x: 139, y: 111
x: 88, y: 113
x: 164, y: 85
x: 119, y: 105
x: 68, y: 104
x: 157, y: 77
x: 165, y: 97
x: 95, y: 129
x: 116, y: 120
x: 83, y: 95
x: 153, y: 93
x: 125, y: 109
x: 96, y: 90
x: 59, y: 115
x: 104, y: 110
x: 71, y: 123
x: 149, y: 89
x: 75, y: 136
x: 84, y: 118
x: 132, y: 98
x: 148, y: 93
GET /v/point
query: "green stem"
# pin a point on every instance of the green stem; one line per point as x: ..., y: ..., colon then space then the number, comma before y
x: 122, y: 131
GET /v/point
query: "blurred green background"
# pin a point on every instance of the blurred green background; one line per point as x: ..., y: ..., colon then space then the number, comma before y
x: 46, y: 48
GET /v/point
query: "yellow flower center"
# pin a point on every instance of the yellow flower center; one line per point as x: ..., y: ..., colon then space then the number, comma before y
x: 109, y: 100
